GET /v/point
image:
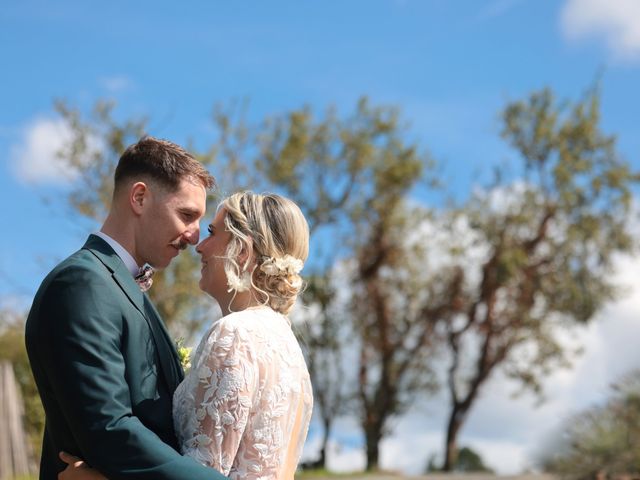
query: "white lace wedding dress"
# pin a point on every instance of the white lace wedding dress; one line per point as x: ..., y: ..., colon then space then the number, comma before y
x: 244, y: 407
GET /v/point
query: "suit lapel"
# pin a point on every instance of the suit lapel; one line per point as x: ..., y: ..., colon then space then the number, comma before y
x: 166, y: 350
x: 168, y: 358
x: 119, y: 272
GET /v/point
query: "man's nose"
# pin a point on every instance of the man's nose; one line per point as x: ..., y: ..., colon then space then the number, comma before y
x: 194, y: 235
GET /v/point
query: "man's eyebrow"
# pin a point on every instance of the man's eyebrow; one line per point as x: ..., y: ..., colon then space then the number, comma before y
x: 190, y: 210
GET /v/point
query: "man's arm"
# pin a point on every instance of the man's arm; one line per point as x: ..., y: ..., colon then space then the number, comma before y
x: 82, y: 357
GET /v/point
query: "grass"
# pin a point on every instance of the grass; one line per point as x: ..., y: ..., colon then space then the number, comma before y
x: 324, y: 473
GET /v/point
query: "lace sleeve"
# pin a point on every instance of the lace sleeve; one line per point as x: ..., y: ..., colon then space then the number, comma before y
x: 223, y: 398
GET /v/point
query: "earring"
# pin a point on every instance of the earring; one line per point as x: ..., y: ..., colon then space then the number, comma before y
x: 239, y: 284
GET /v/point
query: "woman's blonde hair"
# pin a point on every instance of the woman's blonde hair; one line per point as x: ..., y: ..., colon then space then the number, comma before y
x: 274, y: 232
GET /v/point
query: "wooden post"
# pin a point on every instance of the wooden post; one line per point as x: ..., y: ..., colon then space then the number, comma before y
x: 14, y: 447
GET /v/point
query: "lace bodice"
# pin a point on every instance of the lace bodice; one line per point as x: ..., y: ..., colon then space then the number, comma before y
x: 244, y: 407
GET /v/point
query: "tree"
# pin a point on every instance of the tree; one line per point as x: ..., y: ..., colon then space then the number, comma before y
x: 467, y: 461
x: 543, y: 247
x: 396, y: 339
x: 603, y: 438
x: 323, y: 332
x: 470, y: 461
x: 350, y: 177
x: 12, y: 349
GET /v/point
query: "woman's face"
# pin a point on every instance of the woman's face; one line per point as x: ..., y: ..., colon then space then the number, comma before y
x: 212, y: 249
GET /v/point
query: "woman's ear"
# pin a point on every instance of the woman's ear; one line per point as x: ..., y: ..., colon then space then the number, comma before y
x: 245, y: 258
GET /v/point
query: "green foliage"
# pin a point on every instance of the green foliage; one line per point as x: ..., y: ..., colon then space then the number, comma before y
x: 467, y: 461
x: 603, y: 438
x: 92, y: 154
x: 13, y: 350
x: 550, y: 240
x: 554, y: 244
x: 351, y: 176
x: 338, y: 168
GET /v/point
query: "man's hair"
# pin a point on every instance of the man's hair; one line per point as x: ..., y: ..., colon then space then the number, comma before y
x: 161, y: 161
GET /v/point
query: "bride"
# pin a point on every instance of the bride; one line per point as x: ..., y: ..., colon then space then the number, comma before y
x: 245, y: 405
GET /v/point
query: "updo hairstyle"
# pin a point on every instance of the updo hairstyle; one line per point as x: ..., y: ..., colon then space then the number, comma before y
x: 276, y: 234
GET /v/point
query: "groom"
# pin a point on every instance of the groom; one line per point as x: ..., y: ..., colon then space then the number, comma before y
x: 105, y: 366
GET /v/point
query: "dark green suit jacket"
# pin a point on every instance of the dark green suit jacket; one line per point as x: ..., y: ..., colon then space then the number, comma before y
x: 106, y: 370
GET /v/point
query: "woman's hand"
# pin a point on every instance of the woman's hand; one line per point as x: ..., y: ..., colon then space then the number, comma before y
x: 77, y: 469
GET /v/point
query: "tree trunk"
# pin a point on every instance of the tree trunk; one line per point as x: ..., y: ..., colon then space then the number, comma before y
x: 322, y: 461
x: 373, y: 436
x: 450, y: 446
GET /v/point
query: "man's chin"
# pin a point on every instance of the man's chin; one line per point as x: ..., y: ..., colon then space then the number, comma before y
x: 162, y: 264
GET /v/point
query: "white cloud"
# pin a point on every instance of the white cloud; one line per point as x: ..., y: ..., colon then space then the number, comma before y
x: 35, y: 158
x: 116, y: 83
x: 408, y: 450
x: 345, y: 460
x: 617, y: 22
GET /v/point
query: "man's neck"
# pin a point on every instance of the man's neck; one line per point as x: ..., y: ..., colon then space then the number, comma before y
x: 122, y: 235
x: 125, y: 256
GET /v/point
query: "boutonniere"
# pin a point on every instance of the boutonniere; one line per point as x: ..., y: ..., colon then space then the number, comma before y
x: 184, y: 354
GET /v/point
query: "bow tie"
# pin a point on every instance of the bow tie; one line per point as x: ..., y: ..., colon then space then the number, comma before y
x: 143, y: 279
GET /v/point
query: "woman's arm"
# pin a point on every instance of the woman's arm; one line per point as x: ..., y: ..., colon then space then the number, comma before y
x: 223, y: 399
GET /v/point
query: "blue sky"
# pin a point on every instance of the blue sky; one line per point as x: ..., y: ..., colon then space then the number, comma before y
x: 450, y: 65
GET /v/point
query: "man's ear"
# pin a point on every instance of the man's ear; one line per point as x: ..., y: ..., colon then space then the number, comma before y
x: 138, y: 196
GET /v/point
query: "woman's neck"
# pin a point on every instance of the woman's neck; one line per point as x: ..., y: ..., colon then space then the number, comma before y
x: 241, y: 301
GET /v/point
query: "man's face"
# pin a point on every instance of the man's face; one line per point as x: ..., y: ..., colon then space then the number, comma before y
x: 170, y: 222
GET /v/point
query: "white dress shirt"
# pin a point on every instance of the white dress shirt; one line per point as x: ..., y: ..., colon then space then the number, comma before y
x: 126, y: 257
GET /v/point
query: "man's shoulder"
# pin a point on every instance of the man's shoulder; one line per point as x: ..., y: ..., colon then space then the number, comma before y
x: 78, y: 263
x: 74, y: 284
x: 93, y: 256
x: 82, y: 269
